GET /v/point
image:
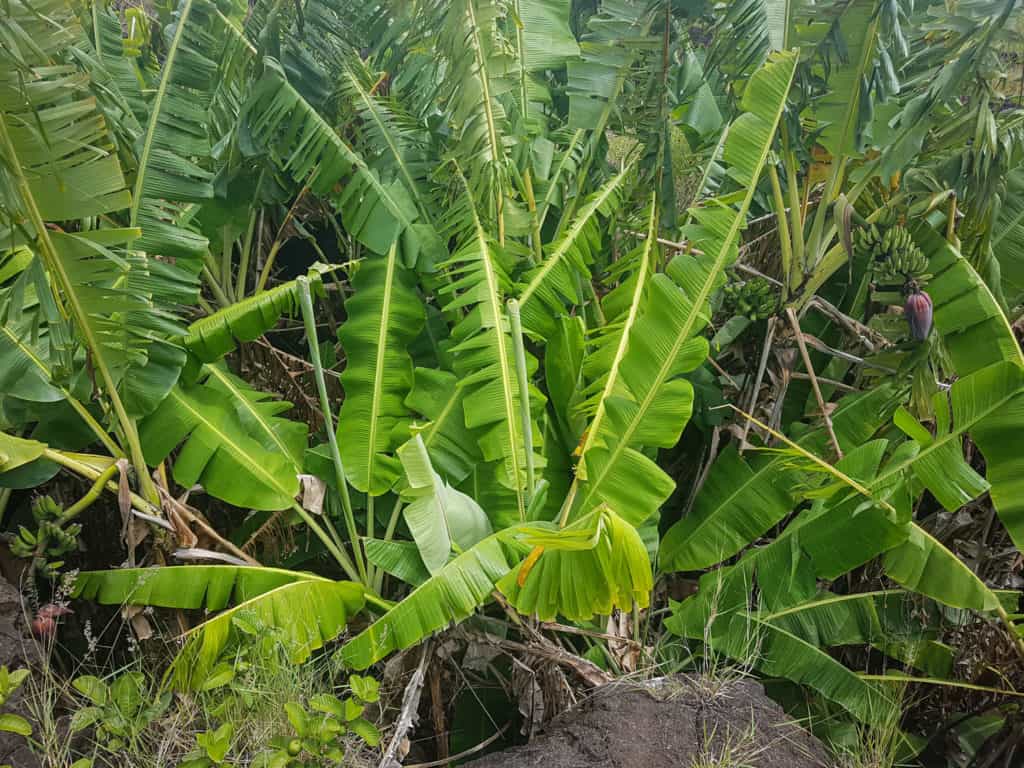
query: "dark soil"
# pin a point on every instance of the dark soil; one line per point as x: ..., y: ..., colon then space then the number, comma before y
x: 683, y: 722
x: 14, y: 639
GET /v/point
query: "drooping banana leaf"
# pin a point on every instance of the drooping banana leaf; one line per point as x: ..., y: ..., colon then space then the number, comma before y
x: 235, y: 456
x: 61, y: 165
x: 469, y: 38
x: 399, y: 558
x: 842, y: 113
x: 988, y: 406
x: 304, y: 610
x: 385, y: 316
x: 966, y: 314
x: 923, y: 564
x: 455, y: 591
x: 119, y: 73
x: 258, y: 412
x: 213, y: 336
x: 278, y: 120
x: 1007, y: 237
x: 743, y: 497
x: 400, y: 148
x: 548, y: 41
x: 176, y: 137
x: 653, y: 405
x: 450, y: 595
x: 579, y: 583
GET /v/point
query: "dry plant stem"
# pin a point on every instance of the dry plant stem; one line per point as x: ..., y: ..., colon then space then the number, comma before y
x: 830, y: 382
x: 586, y: 670
x: 192, y: 517
x: 821, y: 346
x: 869, y: 337
x: 410, y: 706
x: 716, y: 434
x: 306, y: 302
x: 761, y: 366
x: 554, y: 626
x: 795, y: 323
x: 466, y: 752
x: 268, y: 265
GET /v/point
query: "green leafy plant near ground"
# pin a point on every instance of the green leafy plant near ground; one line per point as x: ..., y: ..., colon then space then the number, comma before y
x: 524, y: 414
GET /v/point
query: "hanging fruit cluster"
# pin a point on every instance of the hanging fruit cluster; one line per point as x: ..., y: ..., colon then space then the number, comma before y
x: 893, y: 255
x: 895, y: 259
x: 754, y: 299
x: 54, y: 537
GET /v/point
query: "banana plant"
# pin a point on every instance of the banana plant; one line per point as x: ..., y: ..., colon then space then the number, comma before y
x: 519, y: 347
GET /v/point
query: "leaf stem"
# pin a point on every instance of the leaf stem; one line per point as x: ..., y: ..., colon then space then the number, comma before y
x: 785, y: 245
x: 519, y: 354
x: 531, y: 204
x: 306, y: 303
x: 56, y: 267
x: 243, y: 259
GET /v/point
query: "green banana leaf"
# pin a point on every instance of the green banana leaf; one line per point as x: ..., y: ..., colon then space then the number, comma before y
x: 385, y: 315
x: 306, y: 610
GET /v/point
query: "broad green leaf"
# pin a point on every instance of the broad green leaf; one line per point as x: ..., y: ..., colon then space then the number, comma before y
x: 450, y: 595
x: 176, y: 136
x: 988, y: 406
x: 213, y: 336
x: 438, y: 395
x: 399, y: 558
x: 483, y: 360
x: 306, y: 610
x: 614, y: 572
x: 925, y: 565
x: 439, y: 517
x: 15, y: 724
x: 1008, y: 236
x: 303, y: 145
x: 742, y: 498
x: 17, y: 451
x: 967, y: 316
x: 654, y: 403
x: 548, y: 286
x: 547, y: 40
x: 218, y: 451
x: 385, y: 316
x: 840, y: 113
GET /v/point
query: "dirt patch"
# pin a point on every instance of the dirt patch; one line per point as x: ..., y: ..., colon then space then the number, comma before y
x: 14, y: 638
x: 681, y: 722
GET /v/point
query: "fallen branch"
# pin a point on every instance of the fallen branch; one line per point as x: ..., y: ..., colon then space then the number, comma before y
x: 795, y: 323
x: 589, y: 672
x: 410, y: 706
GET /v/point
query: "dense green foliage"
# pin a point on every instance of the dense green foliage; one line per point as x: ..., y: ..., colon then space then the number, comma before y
x: 533, y: 246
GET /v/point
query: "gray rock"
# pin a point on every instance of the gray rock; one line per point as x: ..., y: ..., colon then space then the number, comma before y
x: 681, y: 722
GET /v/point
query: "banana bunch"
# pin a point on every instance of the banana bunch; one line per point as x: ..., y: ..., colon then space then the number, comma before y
x: 893, y: 255
x: 754, y: 299
x: 51, y: 538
